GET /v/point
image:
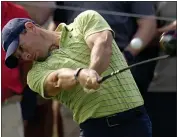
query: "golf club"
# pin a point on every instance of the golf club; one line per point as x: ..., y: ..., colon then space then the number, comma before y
x: 131, y: 66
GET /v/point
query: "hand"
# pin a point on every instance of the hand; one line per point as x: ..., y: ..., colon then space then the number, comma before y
x: 62, y: 79
x: 88, y: 79
x: 169, y: 27
x: 168, y: 42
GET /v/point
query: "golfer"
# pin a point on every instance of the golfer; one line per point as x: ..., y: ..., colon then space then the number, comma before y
x: 67, y: 65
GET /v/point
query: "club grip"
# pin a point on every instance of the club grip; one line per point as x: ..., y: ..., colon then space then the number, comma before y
x: 103, y: 79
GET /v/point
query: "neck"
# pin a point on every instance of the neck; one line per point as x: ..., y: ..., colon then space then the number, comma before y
x: 52, y: 38
x: 55, y: 38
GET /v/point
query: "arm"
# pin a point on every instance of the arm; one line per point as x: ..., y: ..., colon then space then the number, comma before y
x: 49, y: 83
x: 101, y: 50
x: 64, y: 79
x: 98, y: 36
x: 52, y: 26
x: 171, y: 26
x: 146, y: 32
x: 146, y: 27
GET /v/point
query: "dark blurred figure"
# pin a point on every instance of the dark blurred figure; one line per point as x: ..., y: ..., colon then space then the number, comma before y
x: 161, y: 98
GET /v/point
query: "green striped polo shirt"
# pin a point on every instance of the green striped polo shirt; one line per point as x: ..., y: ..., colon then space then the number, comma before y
x: 117, y: 94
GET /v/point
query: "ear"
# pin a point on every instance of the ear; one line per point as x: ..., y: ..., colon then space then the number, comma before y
x: 30, y: 26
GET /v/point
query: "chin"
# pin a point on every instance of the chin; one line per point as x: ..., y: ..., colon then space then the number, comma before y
x: 41, y: 59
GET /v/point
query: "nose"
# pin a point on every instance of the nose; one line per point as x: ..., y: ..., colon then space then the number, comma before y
x: 26, y: 56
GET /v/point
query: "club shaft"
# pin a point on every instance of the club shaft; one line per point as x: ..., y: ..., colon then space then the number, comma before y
x: 131, y: 66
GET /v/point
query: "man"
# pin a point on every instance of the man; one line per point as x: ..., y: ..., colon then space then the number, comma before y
x: 67, y: 66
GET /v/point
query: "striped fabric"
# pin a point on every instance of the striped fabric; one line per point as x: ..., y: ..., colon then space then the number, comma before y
x: 115, y: 95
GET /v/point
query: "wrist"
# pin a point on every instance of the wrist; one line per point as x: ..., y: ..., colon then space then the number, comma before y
x: 76, y: 75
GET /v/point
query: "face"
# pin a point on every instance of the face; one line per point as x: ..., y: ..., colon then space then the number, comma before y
x: 32, y: 45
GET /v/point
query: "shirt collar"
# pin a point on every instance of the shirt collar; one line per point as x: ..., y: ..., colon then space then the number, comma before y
x: 61, y: 27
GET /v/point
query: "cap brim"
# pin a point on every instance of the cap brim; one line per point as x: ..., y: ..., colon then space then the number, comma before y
x: 10, y: 60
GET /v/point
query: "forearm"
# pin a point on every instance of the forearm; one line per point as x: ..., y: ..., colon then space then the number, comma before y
x: 52, y: 26
x: 146, y: 32
x: 66, y: 79
x: 170, y: 27
x: 62, y: 79
x: 100, y: 56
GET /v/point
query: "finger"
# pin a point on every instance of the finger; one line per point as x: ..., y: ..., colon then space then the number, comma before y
x: 98, y: 78
x: 88, y: 83
x: 95, y: 79
x: 95, y: 83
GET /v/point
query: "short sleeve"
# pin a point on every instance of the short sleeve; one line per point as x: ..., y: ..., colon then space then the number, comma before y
x: 90, y: 22
x: 36, y: 77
